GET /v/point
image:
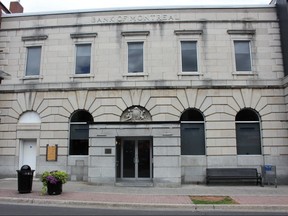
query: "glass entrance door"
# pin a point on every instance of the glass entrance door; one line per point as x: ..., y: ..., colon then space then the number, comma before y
x: 144, y: 158
x: 129, y: 159
x: 135, y: 159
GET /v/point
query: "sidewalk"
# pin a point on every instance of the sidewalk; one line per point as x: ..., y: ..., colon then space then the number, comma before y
x: 254, y: 198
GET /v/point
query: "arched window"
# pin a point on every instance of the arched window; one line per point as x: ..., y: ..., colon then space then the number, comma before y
x: 30, y: 117
x: 79, y: 132
x: 192, y: 133
x: 248, y: 132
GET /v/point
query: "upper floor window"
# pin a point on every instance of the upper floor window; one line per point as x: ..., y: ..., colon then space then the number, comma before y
x: 189, y: 56
x: 33, y: 61
x: 243, y: 56
x: 83, y: 59
x: 135, y: 57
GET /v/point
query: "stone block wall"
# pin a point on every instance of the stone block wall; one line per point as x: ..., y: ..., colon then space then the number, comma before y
x: 166, y: 151
x: 218, y: 91
x: 219, y: 108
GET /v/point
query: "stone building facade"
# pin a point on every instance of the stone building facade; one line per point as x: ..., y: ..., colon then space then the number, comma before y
x: 143, y: 96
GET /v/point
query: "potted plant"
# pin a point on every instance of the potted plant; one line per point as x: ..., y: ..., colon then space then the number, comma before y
x: 53, y: 181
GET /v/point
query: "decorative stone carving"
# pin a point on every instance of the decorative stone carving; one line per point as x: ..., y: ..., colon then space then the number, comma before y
x: 135, y: 114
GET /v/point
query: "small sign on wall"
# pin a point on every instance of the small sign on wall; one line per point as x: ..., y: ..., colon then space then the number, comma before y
x: 108, y: 151
x: 51, y: 152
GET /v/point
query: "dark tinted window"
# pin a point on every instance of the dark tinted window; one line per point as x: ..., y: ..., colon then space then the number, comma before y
x: 192, y: 133
x: 79, y: 133
x: 189, y: 56
x: 192, y: 115
x: 247, y: 115
x: 248, y: 132
x: 82, y: 116
x: 135, y: 57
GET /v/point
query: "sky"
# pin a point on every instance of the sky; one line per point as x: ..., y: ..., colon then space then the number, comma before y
x: 62, y: 5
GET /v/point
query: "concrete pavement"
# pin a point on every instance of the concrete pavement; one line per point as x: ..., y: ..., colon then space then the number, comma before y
x: 248, y: 197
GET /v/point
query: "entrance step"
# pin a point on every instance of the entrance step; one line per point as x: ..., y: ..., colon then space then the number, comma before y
x: 136, y: 183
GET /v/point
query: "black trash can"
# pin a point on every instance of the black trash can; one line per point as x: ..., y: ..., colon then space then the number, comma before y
x: 25, y: 179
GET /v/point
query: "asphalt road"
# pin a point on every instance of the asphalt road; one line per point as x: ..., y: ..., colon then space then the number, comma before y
x: 12, y: 209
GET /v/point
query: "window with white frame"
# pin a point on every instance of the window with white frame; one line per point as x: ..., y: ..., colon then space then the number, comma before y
x: 135, y: 43
x: 135, y: 57
x: 189, y: 56
x: 83, y: 59
x: 242, y: 55
x: 33, y: 61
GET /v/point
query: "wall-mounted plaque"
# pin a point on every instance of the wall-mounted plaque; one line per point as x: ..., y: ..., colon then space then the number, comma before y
x: 108, y: 151
x: 51, y: 152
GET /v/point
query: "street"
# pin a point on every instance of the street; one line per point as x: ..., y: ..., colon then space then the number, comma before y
x: 27, y: 209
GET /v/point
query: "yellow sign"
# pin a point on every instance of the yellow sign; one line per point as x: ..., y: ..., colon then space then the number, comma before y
x: 51, y: 153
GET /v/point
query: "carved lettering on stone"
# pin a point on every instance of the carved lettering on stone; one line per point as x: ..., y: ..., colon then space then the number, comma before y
x: 136, y: 18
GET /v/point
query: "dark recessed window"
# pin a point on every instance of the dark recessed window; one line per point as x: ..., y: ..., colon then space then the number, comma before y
x: 248, y: 133
x: 192, y: 115
x: 192, y: 133
x: 189, y: 56
x: 79, y: 132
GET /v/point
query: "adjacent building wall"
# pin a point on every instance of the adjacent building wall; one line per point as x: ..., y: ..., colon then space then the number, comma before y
x: 282, y: 11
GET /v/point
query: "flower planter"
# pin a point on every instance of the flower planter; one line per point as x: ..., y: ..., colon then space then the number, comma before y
x: 52, y: 181
x: 54, y: 189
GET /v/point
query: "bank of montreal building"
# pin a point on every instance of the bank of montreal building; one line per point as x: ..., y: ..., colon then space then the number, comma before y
x: 151, y: 95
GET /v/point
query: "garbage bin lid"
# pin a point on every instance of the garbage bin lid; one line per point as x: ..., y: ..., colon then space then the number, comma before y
x: 26, y: 167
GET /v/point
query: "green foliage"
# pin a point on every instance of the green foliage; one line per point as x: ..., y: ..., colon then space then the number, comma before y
x: 55, y: 175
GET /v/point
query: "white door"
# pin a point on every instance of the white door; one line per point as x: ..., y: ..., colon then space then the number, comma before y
x: 28, y: 153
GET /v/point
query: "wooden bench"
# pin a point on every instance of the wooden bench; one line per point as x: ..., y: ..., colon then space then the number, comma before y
x: 233, y: 174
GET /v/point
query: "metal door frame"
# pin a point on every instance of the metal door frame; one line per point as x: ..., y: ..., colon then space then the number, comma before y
x: 136, y: 159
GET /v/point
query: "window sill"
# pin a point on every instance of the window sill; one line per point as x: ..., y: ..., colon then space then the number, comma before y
x: 244, y: 73
x: 189, y: 74
x: 139, y: 74
x: 36, y: 77
x: 76, y: 76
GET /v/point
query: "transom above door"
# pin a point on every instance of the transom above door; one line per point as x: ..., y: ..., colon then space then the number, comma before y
x: 134, y: 158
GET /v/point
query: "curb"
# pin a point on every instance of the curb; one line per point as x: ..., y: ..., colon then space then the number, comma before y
x: 191, y: 207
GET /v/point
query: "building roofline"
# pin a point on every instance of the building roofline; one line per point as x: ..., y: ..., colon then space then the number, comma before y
x: 182, y: 7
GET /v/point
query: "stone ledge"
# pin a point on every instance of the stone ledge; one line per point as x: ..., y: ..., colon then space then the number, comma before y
x: 169, y: 84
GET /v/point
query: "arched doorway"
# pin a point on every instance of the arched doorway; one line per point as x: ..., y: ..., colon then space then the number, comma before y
x: 134, y: 153
x: 28, y: 147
